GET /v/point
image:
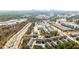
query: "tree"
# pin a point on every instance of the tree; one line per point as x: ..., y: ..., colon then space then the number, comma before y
x: 67, y: 45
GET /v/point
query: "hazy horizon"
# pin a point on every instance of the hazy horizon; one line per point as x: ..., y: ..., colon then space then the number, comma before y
x: 66, y: 5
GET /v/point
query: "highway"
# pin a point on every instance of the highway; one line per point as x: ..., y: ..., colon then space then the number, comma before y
x: 15, y: 41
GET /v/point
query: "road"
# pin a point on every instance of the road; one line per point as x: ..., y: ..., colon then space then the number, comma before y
x: 71, y: 38
x: 15, y: 41
x: 61, y: 32
x: 55, y: 28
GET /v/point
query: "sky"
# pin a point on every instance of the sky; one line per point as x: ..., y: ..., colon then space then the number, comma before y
x: 39, y: 5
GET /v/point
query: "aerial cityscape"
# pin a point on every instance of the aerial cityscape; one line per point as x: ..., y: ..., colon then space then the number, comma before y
x: 35, y: 29
x: 39, y: 29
